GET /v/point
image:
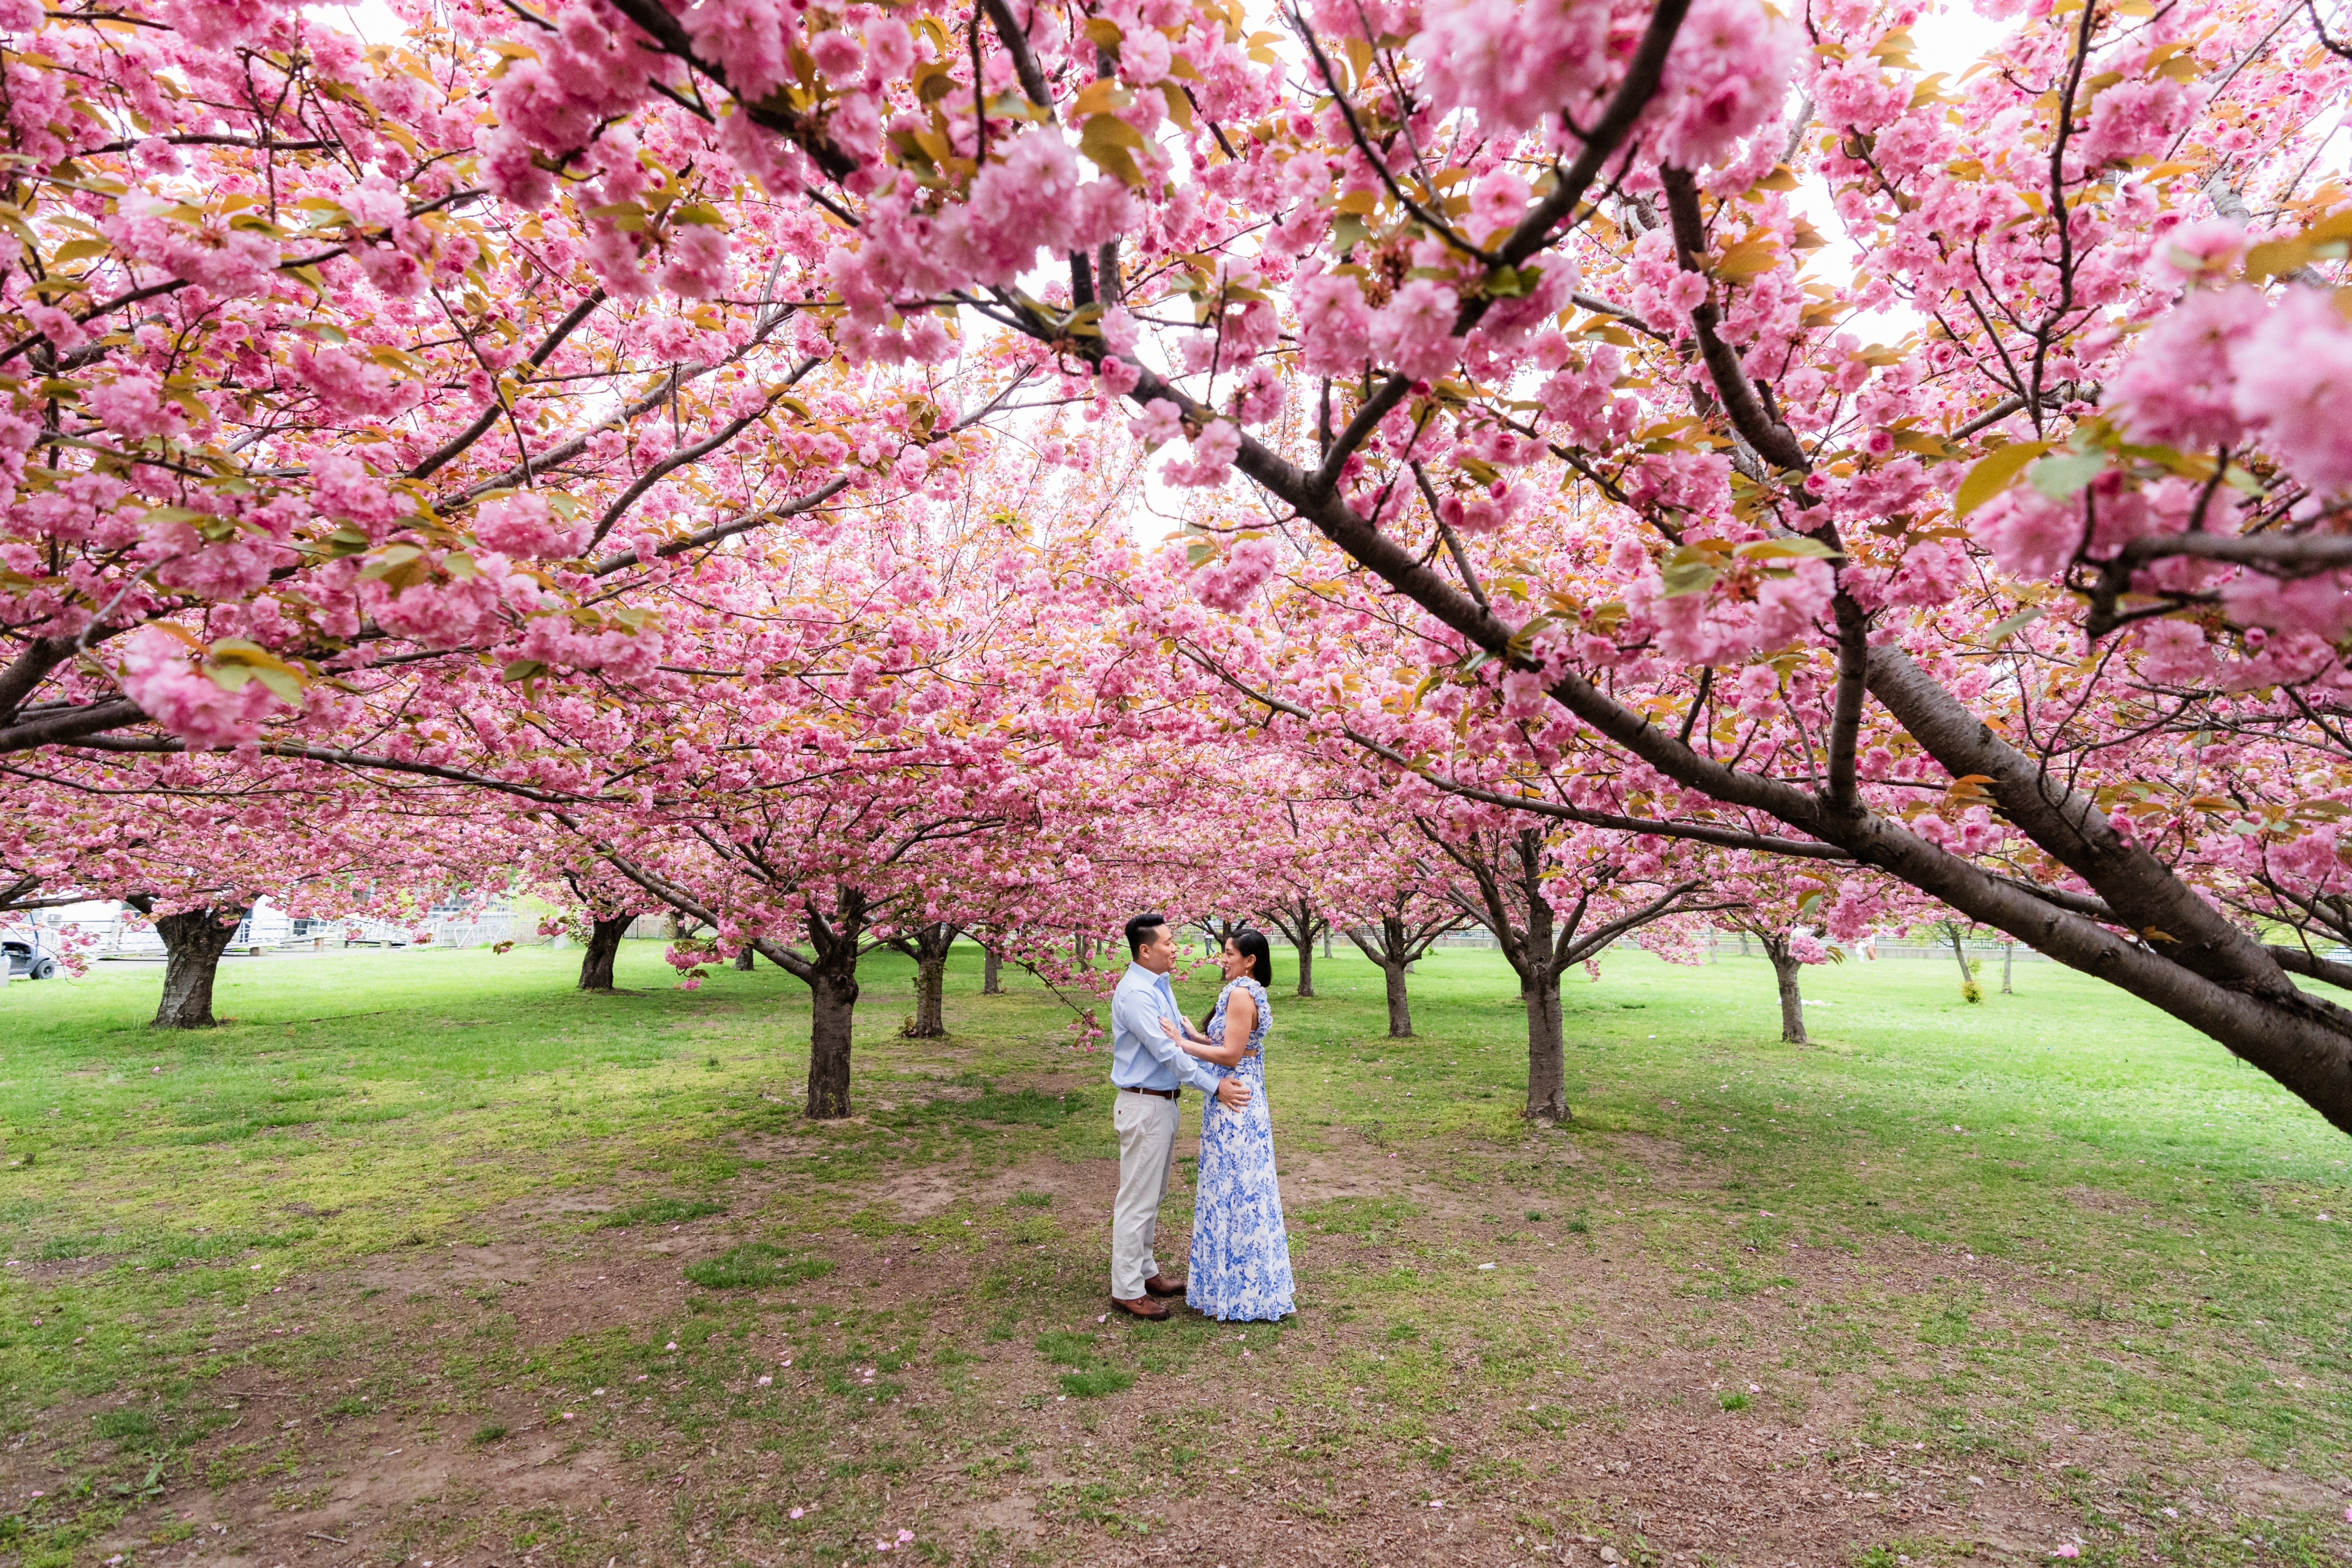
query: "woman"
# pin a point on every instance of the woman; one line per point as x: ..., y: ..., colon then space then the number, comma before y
x: 1241, y: 1252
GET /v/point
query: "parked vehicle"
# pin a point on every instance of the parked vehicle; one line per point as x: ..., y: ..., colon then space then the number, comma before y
x: 31, y: 950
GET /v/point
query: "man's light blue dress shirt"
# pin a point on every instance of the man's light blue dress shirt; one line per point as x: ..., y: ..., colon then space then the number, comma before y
x: 1141, y: 1055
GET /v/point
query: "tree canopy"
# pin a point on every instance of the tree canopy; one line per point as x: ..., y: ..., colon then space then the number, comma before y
x: 840, y: 471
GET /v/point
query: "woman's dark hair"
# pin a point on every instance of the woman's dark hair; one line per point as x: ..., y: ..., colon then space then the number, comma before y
x: 1252, y: 944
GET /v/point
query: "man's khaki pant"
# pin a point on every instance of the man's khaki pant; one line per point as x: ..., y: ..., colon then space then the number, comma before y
x: 1146, y: 1148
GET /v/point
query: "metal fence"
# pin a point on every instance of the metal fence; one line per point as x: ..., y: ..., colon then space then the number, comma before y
x: 1730, y: 944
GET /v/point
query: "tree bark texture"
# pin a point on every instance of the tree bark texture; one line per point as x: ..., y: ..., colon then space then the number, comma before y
x: 1307, y: 967
x: 2007, y: 963
x: 603, y: 946
x: 832, y: 1009
x: 194, y: 942
x: 1400, y: 1003
x: 992, y: 975
x: 1787, y: 971
x: 1547, y: 1056
x: 929, y: 948
x: 744, y: 960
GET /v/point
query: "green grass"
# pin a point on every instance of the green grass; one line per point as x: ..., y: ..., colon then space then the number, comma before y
x: 754, y: 1265
x: 660, y: 1211
x: 2053, y: 1212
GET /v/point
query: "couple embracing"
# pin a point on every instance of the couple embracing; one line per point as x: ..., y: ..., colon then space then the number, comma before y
x: 1240, y: 1269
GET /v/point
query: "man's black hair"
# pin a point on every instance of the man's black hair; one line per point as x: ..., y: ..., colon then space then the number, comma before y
x: 1139, y: 928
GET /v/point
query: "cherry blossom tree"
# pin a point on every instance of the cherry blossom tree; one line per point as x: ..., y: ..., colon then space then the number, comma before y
x: 1393, y: 913
x: 1552, y: 902
x: 293, y: 395
x: 1490, y: 337
x: 192, y: 843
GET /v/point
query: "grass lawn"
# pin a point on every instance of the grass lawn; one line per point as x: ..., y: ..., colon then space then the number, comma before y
x: 427, y: 1256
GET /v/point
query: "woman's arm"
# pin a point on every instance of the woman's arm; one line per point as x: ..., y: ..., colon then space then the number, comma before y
x: 1186, y: 1038
x: 1241, y: 1018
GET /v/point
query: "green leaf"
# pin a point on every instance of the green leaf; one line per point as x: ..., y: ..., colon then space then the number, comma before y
x: 2062, y: 477
x: 2016, y: 623
x: 1689, y: 570
x: 1111, y: 143
x: 1993, y: 474
x: 390, y: 560
x: 286, y: 685
x: 1513, y: 282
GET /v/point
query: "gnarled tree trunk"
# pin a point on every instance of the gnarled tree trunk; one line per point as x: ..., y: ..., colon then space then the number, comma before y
x: 1392, y: 949
x: 991, y: 973
x: 930, y: 950
x: 832, y: 1009
x: 194, y: 942
x: 603, y: 946
x: 1306, y: 966
x: 1787, y: 970
x: 1546, y: 1057
x: 1399, y: 1004
x: 743, y: 960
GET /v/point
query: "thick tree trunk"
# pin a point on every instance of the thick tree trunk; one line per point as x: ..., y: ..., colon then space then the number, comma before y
x: 930, y: 950
x: 1399, y: 1004
x: 603, y: 946
x: 1547, y: 1061
x: 832, y: 1008
x: 930, y: 996
x: 992, y: 977
x: 1787, y: 970
x: 744, y: 959
x: 1306, y: 966
x: 2008, y: 961
x: 1327, y: 941
x: 192, y: 944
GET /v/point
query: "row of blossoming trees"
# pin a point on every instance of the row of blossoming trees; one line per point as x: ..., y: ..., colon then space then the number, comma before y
x: 1643, y: 464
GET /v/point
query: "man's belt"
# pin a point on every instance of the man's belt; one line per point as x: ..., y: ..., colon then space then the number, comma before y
x: 1156, y: 1093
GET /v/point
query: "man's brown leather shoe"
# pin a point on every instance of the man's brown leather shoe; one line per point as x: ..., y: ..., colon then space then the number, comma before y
x: 1142, y: 1307
x: 1160, y: 1285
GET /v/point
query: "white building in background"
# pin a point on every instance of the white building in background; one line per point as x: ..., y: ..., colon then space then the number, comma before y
x: 105, y: 929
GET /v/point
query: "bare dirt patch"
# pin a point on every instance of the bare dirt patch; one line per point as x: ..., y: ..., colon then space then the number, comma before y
x: 1579, y: 1401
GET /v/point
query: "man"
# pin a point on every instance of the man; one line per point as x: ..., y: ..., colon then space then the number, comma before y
x: 1148, y: 1067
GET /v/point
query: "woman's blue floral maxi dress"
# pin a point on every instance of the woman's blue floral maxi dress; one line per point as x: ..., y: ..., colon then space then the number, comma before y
x: 1241, y: 1251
